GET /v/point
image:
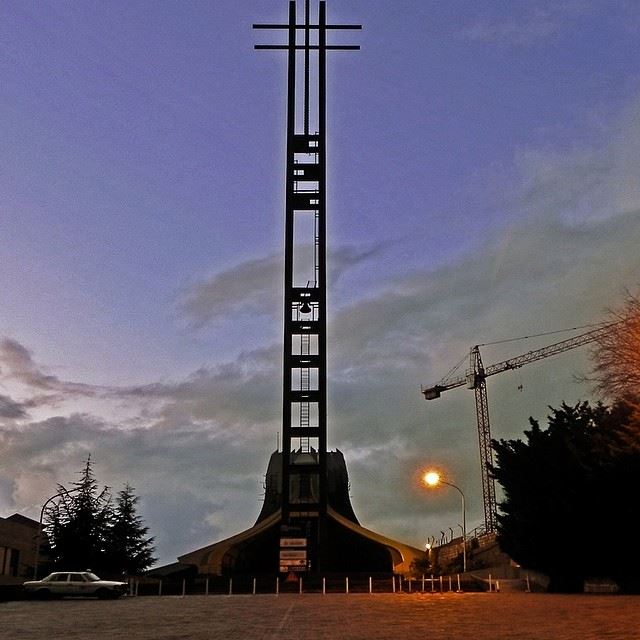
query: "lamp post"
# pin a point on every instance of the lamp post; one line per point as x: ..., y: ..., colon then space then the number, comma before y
x: 39, y: 535
x: 433, y: 479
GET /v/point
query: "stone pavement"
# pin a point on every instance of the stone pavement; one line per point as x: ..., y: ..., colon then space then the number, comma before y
x: 446, y: 616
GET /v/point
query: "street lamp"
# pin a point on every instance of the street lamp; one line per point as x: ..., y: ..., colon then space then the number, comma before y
x: 39, y: 536
x: 432, y: 479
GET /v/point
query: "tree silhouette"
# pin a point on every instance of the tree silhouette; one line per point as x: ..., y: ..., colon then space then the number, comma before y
x: 86, y: 530
x: 130, y: 551
x: 77, y: 524
x: 567, y: 510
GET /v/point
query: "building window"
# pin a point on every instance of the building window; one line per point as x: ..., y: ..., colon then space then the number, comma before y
x: 9, y: 561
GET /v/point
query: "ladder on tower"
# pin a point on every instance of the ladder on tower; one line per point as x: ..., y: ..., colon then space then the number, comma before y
x: 305, y: 385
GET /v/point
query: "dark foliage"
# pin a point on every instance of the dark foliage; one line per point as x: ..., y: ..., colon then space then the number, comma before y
x: 77, y: 523
x: 129, y: 550
x: 569, y: 508
x: 87, y: 531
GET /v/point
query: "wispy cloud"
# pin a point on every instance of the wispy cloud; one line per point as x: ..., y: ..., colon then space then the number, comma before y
x: 585, y: 183
x: 10, y: 409
x: 18, y: 364
x: 255, y: 287
x: 539, y: 25
x: 529, y: 24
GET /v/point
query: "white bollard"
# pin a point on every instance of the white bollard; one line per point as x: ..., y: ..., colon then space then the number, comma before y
x: 490, y: 589
x: 300, y: 585
x: 160, y: 588
x: 184, y: 587
x: 346, y: 585
x: 370, y: 585
x: 450, y: 589
x: 423, y: 583
x: 528, y: 585
x: 393, y: 583
x: 324, y: 586
x: 459, y: 589
x: 433, y: 587
x: 278, y: 585
x: 441, y: 584
x: 230, y: 586
x: 254, y: 586
x: 206, y: 587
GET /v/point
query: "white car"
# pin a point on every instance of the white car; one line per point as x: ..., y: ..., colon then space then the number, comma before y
x: 74, y: 583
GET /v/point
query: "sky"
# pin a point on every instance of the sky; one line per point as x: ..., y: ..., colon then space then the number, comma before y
x: 483, y: 163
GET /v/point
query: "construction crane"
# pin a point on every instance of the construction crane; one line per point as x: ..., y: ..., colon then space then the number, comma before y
x: 475, y: 378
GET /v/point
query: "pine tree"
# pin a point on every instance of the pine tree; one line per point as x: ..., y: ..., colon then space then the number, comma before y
x: 77, y: 525
x: 130, y: 551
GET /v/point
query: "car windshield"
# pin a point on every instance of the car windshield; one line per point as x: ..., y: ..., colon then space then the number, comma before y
x: 92, y: 577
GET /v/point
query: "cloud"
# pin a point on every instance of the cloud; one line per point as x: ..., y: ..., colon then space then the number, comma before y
x: 254, y: 287
x: 240, y: 396
x: 521, y: 31
x: 11, y: 409
x: 587, y: 183
x: 218, y: 391
x: 19, y: 365
x: 529, y: 24
x: 185, y: 504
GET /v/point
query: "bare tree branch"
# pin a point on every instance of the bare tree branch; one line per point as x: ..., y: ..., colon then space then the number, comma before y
x: 616, y: 355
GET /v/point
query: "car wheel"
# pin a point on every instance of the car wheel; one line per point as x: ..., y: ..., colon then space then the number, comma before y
x: 43, y: 594
x: 106, y: 594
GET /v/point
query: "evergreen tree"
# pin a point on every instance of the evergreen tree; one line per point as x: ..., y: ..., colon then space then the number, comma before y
x: 130, y: 551
x: 77, y: 524
x: 567, y: 511
x: 87, y: 531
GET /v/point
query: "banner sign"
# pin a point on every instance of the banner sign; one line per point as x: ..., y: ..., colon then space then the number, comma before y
x: 292, y: 554
x: 293, y: 542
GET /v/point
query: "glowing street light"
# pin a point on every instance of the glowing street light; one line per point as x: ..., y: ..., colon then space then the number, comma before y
x: 432, y: 479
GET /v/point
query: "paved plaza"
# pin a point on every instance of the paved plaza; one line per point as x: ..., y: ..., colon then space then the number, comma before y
x: 446, y: 616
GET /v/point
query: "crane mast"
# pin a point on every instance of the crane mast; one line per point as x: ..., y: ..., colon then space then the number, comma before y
x: 484, y: 439
x: 476, y: 377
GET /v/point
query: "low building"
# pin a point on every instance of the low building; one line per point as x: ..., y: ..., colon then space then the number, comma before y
x: 270, y: 546
x: 18, y: 542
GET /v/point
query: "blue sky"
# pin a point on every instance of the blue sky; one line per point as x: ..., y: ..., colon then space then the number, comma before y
x: 483, y: 164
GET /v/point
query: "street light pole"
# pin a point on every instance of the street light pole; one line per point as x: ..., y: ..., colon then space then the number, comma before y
x: 39, y: 536
x: 433, y: 479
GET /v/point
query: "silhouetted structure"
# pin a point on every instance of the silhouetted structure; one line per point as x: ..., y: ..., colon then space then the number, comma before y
x: 18, y: 548
x: 307, y: 522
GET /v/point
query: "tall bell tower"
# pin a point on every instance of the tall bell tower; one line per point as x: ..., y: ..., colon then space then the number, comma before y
x: 307, y: 522
x: 304, y: 390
